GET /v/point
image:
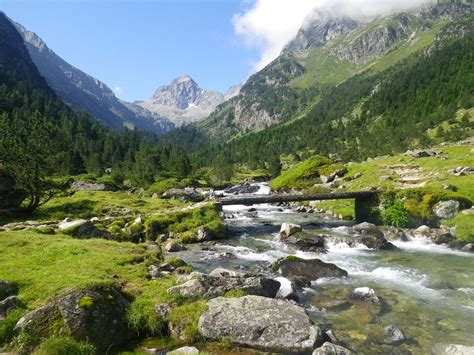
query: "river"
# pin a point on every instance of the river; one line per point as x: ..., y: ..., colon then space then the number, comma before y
x: 428, y: 290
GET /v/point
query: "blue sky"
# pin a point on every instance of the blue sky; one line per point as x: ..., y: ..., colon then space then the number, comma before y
x: 138, y: 45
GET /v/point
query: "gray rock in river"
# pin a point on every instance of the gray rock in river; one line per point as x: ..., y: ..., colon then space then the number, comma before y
x: 305, y: 241
x: 302, y: 271
x: 468, y: 247
x: 173, y: 247
x: 288, y: 229
x: 393, y: 334
x: 365, y: 295
x: 261, y: 323
x: 211, y: 286
x: 331, y: 349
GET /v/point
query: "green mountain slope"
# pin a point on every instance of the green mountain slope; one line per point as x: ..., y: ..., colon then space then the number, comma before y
x: 326, y: 53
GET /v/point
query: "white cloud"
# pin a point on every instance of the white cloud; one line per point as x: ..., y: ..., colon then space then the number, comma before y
x: 270, y: 24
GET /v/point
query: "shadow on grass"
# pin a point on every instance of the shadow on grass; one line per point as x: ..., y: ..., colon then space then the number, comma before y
x: 82, y: 208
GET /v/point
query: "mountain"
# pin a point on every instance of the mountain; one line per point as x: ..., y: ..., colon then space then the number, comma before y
x: 183, y: 101
x: 86, y: 93
x: 327, y: 51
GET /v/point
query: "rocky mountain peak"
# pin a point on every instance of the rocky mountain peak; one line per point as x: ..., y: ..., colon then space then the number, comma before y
x: 183, y: 101
x: 320, y: 28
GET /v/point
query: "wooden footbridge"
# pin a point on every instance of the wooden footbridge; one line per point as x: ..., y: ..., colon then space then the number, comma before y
x: 366, y: 202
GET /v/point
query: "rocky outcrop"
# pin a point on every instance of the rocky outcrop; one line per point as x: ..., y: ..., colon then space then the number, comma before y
x: 89, y: 186
x: 332, y: 349
x: 95, y: 315
x: 212, y: 286
x: 302, y: 271
x: 82, y: 229
x: 261, y: 323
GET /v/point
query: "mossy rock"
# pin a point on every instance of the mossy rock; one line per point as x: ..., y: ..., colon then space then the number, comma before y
x: 96, y: 315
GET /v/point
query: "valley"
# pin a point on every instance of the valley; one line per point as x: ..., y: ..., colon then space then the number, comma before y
x: 115, y: 237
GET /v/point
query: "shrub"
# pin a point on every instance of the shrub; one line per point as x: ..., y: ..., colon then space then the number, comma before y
x: 65, y: 346
x: 157, y: 225
x: 86, y: 302
x: 396, y: 215
x: 8, y: 324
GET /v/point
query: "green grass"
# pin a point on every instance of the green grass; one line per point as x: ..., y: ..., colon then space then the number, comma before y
x: 301, y: 176
x: 186, y: 318
x: 87, y: 204
x: 464, y: 224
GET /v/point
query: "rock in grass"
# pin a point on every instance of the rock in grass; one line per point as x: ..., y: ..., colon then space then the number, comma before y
x: 86, y: 186
x: 8, y: 305
x: 288, y: 229
x: 95, y: 315
x: 258, y: 322
x: 446, y: 209
x: 211, y: 286
x: 393, y: 334
x: 82, y: 229
x: 302, y: 271
x: 331, y: 349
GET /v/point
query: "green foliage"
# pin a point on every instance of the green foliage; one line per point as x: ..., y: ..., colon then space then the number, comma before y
x: 396, y: 215
x: 186, y: 318
x: 86, y: 302
x: 65, y: 346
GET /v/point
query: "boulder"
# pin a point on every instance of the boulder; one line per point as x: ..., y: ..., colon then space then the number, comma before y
x: 302, y: 271
x: 370, y: 229
x: 441, y: 236
x: 365, y: 295
x: 7, y: 289
x: 468, y: 247
x: 82, y: 229
x: 97, y: 316
x: 163, y: 310
x: 305, y: 241
x: 211, y: 286
x: 185, y: 350
x: 186, y: 195
x: 393, y: 334
x: 203, y: 235
x: 286, y: 291
x: 173, y: 247
x: 418, y: 153
x: 258, y: 322
x: 452, y: 349
x: 8, y: 305
x: 396, y: 234
x: 331, y: 349
x: 446, y: 209
x: 86, y: 186
x: 371, y: 236
x: 288, y: 229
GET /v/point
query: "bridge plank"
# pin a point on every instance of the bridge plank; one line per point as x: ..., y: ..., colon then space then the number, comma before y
x: 251, y: 200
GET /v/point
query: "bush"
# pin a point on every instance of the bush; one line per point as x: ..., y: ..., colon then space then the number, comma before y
x: 65, y: 346
x: 396, y: 215
x: 8, y: 324
x: 143, y: 319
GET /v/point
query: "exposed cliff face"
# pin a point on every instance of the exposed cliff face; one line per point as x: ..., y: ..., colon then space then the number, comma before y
x: 85, y: 93
x: 183, y: 101
x: 334, y: 48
